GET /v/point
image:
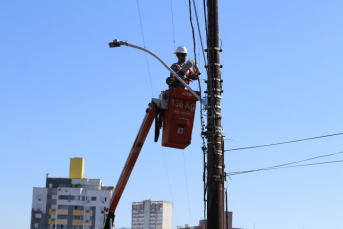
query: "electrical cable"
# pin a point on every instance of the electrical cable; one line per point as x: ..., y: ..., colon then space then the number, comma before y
x: 305, y: 139
x: 202, y: 46
x: 171, y: 9
x: 195, y: 59
x: 202, y: 123
x: 312, y: 158
x: 201, y: 106
x: 208, y: 164
x: 171, y: 194
x: 146, y: 56
x: 189, y: 205
x: 284, y: 165
x: 205, y: 20
x: 190, y: 18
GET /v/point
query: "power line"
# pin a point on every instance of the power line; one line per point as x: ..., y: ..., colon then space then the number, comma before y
x: 171, y: 9
x: 201, y: 108
x: 189, y: 205
x: 196, y: 16
x: 205, y: 18
x: 284, y: 165
x: 171, y: 194
x: 312, y: 158
x: 146, y: 56
x: 305, y: 139
x: 190, y: 19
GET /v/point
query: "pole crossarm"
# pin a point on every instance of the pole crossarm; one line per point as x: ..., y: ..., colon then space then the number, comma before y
x: 117, y: 43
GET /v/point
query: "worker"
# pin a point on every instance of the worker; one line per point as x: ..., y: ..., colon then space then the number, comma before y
x: 187, y: 76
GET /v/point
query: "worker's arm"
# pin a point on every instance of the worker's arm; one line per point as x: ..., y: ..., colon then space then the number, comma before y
x: 192, y: 75
x: 185, y: 73
x: 177, y: 69
x: 173, y: 82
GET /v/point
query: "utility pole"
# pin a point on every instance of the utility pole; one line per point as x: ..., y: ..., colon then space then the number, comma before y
x: 214, y: 134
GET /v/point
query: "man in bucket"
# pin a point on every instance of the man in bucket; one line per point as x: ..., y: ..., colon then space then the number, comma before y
x: 182, y: 68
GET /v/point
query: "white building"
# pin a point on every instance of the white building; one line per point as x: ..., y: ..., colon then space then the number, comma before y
x: 70, y: 203
x: 151, y: 214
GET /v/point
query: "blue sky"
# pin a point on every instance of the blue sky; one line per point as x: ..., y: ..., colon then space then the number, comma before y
x: 64, y: 93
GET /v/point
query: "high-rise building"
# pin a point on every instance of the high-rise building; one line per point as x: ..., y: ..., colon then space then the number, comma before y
x: 151, y: 214
x: 70, y: 203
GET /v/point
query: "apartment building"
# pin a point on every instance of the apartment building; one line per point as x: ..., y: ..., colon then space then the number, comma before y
x: 151, y: 214
x: 70, y: 203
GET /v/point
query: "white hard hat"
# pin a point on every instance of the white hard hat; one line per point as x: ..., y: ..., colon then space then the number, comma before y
x: 181, y: 49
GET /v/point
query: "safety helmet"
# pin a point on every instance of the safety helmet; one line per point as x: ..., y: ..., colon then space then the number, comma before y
x: 181, y: 49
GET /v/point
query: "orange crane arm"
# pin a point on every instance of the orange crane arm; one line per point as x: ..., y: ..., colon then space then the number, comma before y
x: 132, y: 158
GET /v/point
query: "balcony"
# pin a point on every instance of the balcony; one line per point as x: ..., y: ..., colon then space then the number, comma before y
x: 51, y: 221
x: 52, y: 211
x: 62, y: 221
x: 88, y: 222
x: 78, y: 212
x: 89, y: 213
x: 77, y: 222
x: 62, y: 212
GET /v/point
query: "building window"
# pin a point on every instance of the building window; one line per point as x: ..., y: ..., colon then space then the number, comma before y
x: 103, y: 199
x: 61, y: 226
x: 77, y: 227
x: 39, y: 197
x: 93, y: 198
x: 62, y: 216
x: 39, y: 207
x: 37, y: 225
x: 79, y: 208
x: 77, y: 198
x: 62, y: 207
x: 78, y: 217
x: 38, y: 216
x: 63, y: 197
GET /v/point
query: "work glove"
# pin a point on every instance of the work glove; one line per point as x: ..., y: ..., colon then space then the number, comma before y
x: 195, y: 67
x: 186, y: 67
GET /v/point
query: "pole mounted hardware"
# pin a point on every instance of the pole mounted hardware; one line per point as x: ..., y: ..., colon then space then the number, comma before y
x: 117, y: 43
x: 215, y: 143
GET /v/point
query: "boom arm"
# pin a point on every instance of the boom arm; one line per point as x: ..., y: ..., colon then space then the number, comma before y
x: 130, y: 163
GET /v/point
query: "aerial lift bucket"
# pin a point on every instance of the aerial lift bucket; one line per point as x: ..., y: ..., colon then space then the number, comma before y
x: 178, y: 119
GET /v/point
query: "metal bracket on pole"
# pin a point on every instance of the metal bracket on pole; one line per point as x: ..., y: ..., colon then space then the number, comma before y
x: 117, y: 43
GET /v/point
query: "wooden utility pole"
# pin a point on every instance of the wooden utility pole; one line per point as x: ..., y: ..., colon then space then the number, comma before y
x: 214, y: 134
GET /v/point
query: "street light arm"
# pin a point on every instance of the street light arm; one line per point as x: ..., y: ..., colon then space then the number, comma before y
x: 117, y: 43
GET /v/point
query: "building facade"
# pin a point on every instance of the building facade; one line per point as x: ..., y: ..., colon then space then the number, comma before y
x: 70, y: 203
x: 151, y: 214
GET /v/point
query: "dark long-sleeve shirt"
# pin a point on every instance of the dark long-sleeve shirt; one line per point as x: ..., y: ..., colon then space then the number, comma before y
x: 176, y: 67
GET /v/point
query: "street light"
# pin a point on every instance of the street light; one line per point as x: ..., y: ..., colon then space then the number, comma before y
x: 117, y: 43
